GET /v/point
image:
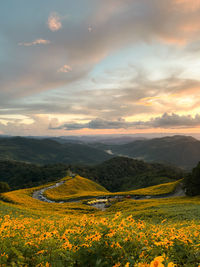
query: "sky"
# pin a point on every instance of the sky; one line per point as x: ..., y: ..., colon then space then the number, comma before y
x: 99, y: 67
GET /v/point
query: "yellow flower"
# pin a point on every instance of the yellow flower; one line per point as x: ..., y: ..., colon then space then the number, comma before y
x: 40, y: 252
x: 142, y: 265
x: 157, y: 262
x: 127, y: 264
x: 171, y: 264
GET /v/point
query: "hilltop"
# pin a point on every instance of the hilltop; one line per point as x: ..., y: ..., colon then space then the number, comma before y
x: 178, y: 150
x: 75, y: 188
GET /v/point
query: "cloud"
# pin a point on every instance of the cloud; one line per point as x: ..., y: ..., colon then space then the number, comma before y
x: 36, y: 42
x: 65, y: 69
x: 170, y: 121
x: 90, y: 29
x: 38, y: 125
x: 175, y: 121
x: 54, y: 22
x: 115, y: 25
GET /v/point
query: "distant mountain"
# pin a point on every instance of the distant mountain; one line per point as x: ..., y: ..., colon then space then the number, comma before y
x: 178, y: 150
x: 49, y: 151
x: 120, y: 140
x: 97, y: 139
x: 121, y: 173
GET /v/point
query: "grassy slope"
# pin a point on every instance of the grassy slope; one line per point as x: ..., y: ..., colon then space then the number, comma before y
x: 22, y: 200
x: 160, y: 189
x: 155, y: 210
x: 80, y: 187
x: 122, y: 174
x: 35, y: 233
x: 186, y: 208
x: 75, y: 188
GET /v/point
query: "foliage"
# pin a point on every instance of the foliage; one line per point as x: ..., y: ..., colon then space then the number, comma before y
x: 181, y: 151
x: 97, y: 241
x: 117, y: 174
x: 4, y: 187
x: 130, y: 233
x: 192, y: 182
x: 20, y: 174
x: 120, y: 173
x: 46, y: 151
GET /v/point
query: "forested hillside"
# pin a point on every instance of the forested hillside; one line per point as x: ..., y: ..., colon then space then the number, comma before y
x: 121, y: 173
x: 180, y: 151
x: 116, y: 174
x: 22, y: 175
x: 49, y: 151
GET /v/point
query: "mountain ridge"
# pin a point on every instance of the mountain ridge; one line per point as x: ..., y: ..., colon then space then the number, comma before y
x: 178, y: 150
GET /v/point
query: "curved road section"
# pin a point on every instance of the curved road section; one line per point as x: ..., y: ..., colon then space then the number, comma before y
x: 102, y: 203
x: 39, y: 194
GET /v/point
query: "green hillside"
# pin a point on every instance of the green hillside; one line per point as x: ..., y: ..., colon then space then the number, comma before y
x: 47, y: 151
x: 181, y: 151
x: 22, y: 175
x: 121, y: 173
x: 117, y: 174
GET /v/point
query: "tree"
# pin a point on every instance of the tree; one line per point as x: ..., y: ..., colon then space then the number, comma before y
x: 192, y: 183
x: 4, y: 187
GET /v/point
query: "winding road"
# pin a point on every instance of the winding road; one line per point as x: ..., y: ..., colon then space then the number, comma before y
x: 39, y: 195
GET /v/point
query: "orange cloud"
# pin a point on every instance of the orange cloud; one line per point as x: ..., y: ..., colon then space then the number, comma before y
x: 36, y: 42
x: 189, y: 5
x: 172, y: 40
x: 65, y: 69
x: 54, y: 22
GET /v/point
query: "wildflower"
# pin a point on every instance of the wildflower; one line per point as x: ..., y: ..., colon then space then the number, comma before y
x: 171, y: 264
x: 157, y: 262
x: 40, y: 252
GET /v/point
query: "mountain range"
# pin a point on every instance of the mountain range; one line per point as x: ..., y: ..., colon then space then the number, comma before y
x: 45, y: 151
x: 181, y: 151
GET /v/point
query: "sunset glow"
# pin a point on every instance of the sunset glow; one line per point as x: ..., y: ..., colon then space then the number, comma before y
x: 99, y: 67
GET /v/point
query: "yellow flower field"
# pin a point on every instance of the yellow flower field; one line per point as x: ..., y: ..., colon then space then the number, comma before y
x: 97, y: 241
x: 131, y: 233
